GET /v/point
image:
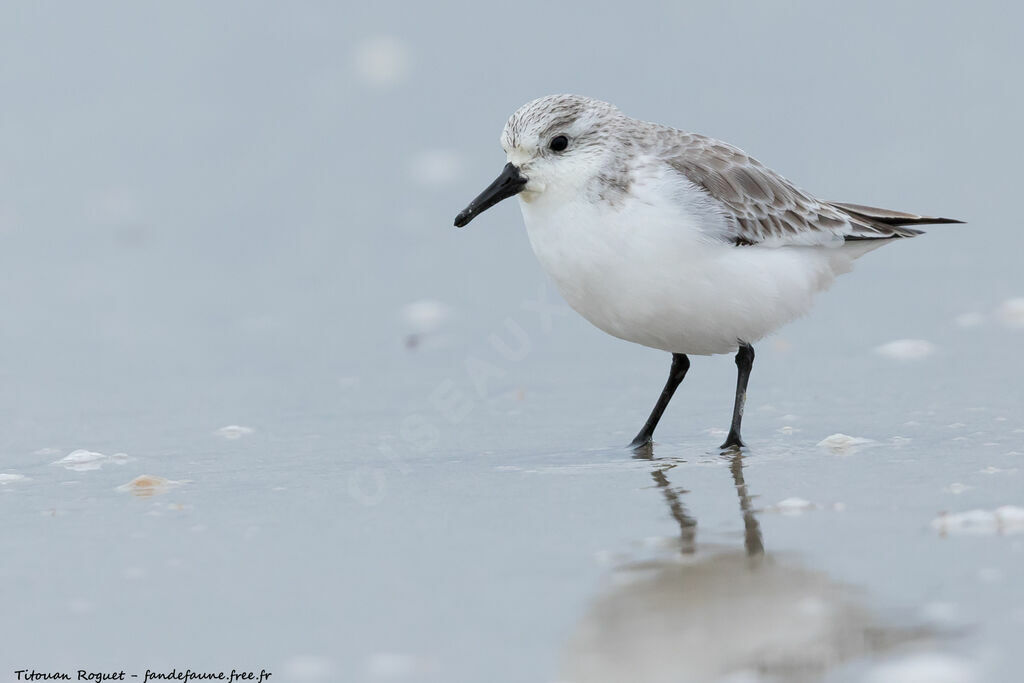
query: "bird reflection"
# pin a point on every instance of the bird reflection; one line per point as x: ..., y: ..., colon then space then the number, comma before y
x: 752, y: 539
x: 714, y: 612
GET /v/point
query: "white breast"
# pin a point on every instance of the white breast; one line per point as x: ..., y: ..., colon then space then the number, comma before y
x: 647, y: 270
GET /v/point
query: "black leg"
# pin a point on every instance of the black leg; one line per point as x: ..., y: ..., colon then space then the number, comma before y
x: 744, y: 361
x: 680, y: 364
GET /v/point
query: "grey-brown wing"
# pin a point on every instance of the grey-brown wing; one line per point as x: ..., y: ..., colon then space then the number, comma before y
x: 765, y: 208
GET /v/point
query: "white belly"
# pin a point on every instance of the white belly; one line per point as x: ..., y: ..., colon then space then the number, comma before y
x: 655, y: 279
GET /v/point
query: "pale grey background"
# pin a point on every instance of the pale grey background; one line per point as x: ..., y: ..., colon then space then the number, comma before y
x: 214, y: 214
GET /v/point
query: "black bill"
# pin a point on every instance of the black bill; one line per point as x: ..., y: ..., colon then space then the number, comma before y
x: 509, y: 183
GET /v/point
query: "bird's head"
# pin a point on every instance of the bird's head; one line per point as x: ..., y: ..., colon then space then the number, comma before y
x: 555, y: 146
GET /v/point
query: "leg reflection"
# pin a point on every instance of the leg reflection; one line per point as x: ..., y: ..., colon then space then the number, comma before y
x: 752, y: 540
x: 687, y: 523
x: 751, y: 527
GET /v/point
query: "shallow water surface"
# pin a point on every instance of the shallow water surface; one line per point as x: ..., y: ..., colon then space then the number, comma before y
x: 407, y: 553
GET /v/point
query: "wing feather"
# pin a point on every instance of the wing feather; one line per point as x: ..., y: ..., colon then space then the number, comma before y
x: 767, y: 209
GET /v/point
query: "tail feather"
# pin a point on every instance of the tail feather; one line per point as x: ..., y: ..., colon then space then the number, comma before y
x: 876, y: 223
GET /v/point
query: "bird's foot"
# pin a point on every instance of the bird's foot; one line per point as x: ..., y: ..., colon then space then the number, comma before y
x: 642, y: 450
x: 644, y: 438
x: 733, y: 442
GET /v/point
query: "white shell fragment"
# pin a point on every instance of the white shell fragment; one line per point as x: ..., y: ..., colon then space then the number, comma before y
x: 426, y: 315
x: 1011, y: 312
x: 146, y: 485
x: 1008, y: 519
x: 309, y: 668
x: 792, y: 506
x: 232, y: 432
x: 844, y: 444
x: 906, y: 349
x: 423, y: 318
x: 926, y: 667
x: 381, y: 61
x: 435, y: 167
x: 82, y: 460
x: 972, y: 319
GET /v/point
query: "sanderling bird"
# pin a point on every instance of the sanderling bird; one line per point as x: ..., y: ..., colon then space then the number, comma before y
x: 671, y: 239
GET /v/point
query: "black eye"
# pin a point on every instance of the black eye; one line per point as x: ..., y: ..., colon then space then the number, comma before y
x: 559, y: 143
